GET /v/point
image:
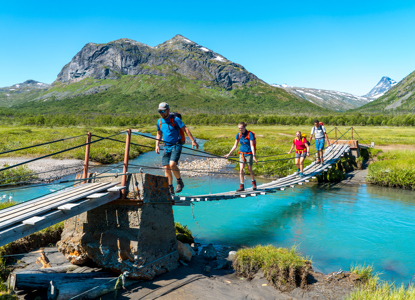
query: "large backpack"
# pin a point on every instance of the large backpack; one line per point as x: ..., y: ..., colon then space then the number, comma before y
x: 173, y: 115
x: 304, y: 136
x: 239, y: 138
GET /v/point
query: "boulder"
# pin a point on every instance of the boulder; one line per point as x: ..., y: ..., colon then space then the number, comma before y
x: 209, y: 252
x: 222, y: 264
x: 184, y: 253
x: 231, y: 255
x: 190, y: 249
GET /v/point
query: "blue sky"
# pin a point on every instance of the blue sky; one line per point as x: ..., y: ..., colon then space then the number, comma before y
x: 340, y: 45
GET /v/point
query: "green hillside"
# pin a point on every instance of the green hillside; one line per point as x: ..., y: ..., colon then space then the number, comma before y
x: 399, y: 99
x: 141, y: 94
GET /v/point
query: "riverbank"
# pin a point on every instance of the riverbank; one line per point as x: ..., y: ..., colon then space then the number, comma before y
x: 55, y: 168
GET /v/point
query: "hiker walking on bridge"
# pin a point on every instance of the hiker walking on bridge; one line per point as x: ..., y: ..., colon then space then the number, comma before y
x: 302, y: 150
x: 246, y: 154
x: 319, y: 135
x: 171, y: 129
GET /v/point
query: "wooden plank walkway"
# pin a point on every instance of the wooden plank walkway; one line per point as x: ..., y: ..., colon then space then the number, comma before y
x: 331, y: 156
x: 28, y: 217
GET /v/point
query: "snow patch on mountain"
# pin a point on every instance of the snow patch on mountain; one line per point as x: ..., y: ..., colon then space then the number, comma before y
x: 384, y: 85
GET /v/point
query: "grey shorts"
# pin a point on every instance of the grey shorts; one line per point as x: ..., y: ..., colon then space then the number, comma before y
x: 171, y: 153
x: 298, y: 155
x: 249, y: 159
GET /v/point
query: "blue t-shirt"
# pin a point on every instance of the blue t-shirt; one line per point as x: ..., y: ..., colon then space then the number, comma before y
x: 245, y: 141
x: 171, y: 135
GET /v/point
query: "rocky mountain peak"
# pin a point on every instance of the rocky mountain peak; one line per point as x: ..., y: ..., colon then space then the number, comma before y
x: 178, y: 55
x: 381, y: 88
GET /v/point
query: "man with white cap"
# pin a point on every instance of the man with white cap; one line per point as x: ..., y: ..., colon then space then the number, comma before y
x: 171, y: 129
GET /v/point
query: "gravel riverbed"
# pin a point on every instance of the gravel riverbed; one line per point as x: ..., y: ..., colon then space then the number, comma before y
x: 202, y: 167
x: 57, y: 167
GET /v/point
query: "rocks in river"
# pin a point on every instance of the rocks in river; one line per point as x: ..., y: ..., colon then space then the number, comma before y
x: 202, y: 167
x: 231, y: 255
x: 209, y: 252
x: 185, y: 253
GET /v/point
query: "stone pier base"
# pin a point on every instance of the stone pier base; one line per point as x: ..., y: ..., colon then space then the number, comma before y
x: 127, y: 235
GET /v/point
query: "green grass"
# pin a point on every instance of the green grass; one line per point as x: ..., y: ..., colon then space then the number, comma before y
x: 23, y: 172
x: 104, y: 151
x: 183, y: 233
x: 249, y: 260
x: 371, y: 288
x: 393, y: 169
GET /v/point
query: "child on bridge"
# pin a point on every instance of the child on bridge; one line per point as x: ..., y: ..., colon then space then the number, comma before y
x: 301, y: 151
x: 170, y: 128
x: 246, y: 154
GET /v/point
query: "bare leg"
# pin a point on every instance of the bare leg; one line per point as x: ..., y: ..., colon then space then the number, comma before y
x: 301, y: 163
x: 242, y: 172
x: 175, y: 169
x: 297, y: 163
x: 168, y: 174
x: 320, y: 153
x: 251, y: 172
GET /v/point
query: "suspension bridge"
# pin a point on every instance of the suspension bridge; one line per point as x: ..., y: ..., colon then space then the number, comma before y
x: 32, y: 215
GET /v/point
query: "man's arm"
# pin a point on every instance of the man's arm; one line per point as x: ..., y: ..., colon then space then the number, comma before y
x: 189, y: 134
x: 233, y: 148
x: 253, y: 149
x: 158, y: 138
x: 311, y: 135
x: 328, y: 142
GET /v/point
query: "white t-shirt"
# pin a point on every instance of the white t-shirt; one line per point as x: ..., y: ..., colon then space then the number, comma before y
x: 318, y: 132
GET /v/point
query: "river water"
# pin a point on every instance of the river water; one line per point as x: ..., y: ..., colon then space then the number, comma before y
x: 335, y: 225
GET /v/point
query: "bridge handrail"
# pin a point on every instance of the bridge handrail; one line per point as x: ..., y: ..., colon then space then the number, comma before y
x: 47, y: 143
x: 55, y: 153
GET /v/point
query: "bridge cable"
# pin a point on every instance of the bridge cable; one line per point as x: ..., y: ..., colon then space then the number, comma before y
x: 47, y: 143
x: 55, y: 153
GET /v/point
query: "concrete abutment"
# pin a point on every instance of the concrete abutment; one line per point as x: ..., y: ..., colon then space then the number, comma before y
x: 135, y: 235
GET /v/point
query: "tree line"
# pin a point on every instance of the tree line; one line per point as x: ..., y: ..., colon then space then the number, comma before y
x: 206, y: 119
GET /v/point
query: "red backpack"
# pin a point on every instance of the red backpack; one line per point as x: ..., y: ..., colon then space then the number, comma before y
x: 239, y: 139
x: 181, y: 131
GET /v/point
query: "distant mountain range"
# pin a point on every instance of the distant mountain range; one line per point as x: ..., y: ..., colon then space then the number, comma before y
x: 339, y: 101
x: 400, y: 98
x: 126, y: 76
x: 21, y: 92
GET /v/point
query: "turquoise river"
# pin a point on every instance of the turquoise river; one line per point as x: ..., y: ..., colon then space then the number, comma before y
x: 335, y: 225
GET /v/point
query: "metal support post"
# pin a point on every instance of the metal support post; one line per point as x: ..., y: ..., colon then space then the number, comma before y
x: 125, y: 167
x: 86, y: 163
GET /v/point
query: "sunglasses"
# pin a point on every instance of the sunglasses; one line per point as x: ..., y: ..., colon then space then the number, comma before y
x: 162, y: 111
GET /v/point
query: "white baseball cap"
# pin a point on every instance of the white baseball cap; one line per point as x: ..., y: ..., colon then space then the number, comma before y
x: 163, y: 106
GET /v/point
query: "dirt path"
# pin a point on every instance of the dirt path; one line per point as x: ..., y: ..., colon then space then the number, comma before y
x: 396, y: 147
x: 190, y: 283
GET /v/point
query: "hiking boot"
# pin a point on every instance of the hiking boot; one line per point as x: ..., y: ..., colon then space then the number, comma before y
x: 241, y: 188
x: 171, y: 190
x: 301, y: 175
x: 298, y: 171
x: 254, y: 185
x: 179, y: 186
x: 318, y: 161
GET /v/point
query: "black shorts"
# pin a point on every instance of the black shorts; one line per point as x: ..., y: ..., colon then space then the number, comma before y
x: 298, y: 155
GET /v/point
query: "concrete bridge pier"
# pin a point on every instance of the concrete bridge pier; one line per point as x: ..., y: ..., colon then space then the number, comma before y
x: 136, y: 235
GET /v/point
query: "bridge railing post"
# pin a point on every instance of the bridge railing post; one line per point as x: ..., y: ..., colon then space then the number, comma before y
x: 86, y: 162
x: 125, y: 167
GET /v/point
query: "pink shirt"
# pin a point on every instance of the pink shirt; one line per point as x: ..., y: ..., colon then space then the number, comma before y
x: 300, y: 147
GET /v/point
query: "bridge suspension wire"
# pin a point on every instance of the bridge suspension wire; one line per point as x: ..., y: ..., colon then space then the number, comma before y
x: 47, y: 143
x: 55, y: 153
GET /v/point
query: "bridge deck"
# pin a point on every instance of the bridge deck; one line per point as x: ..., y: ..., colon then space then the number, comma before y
x: 28, y: 217
x: 331, y: 156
